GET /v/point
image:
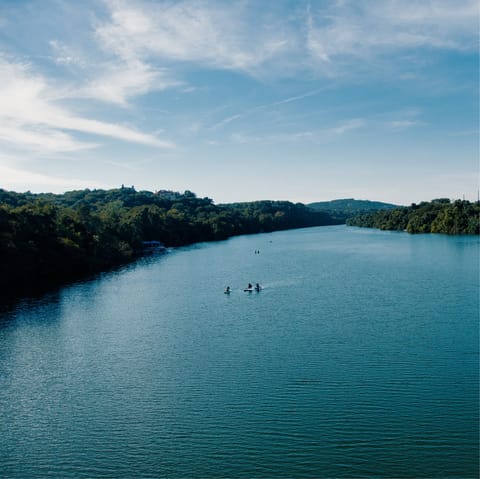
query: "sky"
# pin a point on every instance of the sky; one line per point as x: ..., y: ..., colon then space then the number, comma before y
x: 299, y: 100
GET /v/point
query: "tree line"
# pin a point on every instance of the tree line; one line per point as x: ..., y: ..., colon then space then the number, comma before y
x: 437, y: 216
x: 48, y: 239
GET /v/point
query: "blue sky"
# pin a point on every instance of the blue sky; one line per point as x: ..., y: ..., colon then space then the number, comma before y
x: 242, y: 100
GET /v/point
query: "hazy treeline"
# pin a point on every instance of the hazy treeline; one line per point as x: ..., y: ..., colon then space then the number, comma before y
x: 343, y: 209
x: 49, y: 238
x: 437, y: 216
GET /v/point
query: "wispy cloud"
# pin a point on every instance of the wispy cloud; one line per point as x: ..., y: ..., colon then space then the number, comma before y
x: 326, y: 37
x: 464, y: 133
x: 108, y: 77
x: 297, y: 97
x: 39, y: 138
x: 369, y: 29
x: 31, y: 116
x: 400, y: 125
x: 64, y: 54
x: 225, y: 121
x: 119, y: 81
x: 348, y: 125
x: 404, y: 119
x: 313, y: 135
x: 264, y: 107
x: 144, y: 46
x: 15, y: 179
x: 215, y: 34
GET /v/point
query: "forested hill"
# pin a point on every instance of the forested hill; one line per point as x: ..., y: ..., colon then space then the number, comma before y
x: 437, y: 216
x: 348, y: 207
x: 49, y: 238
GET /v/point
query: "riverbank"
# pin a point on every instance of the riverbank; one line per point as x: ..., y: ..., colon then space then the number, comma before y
x: 48, y: 239
x: 438, y: 216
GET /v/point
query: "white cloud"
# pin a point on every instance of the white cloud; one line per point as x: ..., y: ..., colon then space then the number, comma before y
x: 108, y: 78
x: 403, y: 119
x: 65, y: 55
x: 264, y: 107
x: 107, y: 129
x: 399, y: 125
x: 212, y: 33
x: 298, y: 97
x: 30, y: 116
x: 23, y: 180
x: 368, y: 28
x: 348, y: 125
x: 327, y: 37
x: 40, y: 138
x: 118, y: 81
x: 306, y: 135
x: 225, y: 121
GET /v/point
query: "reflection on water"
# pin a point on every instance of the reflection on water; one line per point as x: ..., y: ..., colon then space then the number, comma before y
x: 359, y: 358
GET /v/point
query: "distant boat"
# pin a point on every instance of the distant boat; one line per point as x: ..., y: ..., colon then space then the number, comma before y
x: 153, y: 246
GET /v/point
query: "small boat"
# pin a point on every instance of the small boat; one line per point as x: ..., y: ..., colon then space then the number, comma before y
x: 256, y: 288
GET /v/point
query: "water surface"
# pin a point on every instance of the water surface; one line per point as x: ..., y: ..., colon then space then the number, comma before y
x: 359, y: 358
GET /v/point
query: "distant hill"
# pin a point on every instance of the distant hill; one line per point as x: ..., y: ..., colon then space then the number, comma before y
x: 348, y: 207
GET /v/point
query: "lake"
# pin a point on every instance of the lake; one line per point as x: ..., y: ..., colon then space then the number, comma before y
x: 359, y: 358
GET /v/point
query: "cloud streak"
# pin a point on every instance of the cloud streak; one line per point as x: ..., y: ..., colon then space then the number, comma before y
x: 322, y: 37
x: 213, y: 34
x: 40, y: 138
x: 141, y: 46
x: 314, y: 135
x: 31, y: 117
x: 367, y: 29
x: 13, y: 178
x: 400, y: 125
x: 264, y: 107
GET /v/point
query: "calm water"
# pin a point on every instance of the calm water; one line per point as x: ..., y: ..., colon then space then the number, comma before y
x: 358, y: 359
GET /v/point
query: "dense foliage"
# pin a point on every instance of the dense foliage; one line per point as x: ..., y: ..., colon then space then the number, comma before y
x: 348, y: 207
x: 437, y: 216
x: 48, y: 238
